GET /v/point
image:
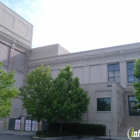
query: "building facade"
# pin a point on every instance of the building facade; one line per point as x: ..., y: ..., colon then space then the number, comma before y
x: 106, y: 74
x: 15, y: 44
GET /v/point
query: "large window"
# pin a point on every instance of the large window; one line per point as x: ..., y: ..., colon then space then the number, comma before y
x: 114, y: 73
x: 103, y: 104
x: 130, y: 75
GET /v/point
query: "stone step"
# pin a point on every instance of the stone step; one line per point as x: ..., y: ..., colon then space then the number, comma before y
x: 130, y: 121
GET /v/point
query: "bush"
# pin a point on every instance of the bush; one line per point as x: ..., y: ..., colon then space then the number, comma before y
x: 79, y: 128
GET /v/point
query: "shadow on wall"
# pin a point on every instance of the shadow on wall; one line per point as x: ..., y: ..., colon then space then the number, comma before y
x: 13, y: 59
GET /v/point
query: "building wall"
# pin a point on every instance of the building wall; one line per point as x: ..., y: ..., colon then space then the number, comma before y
x: 15, y: 44
x: 92, y: 69
x: 14, y: 59
x: 47, y: 51
x: 15, y: 27
x: 111, y: 119
x: 92, y: 66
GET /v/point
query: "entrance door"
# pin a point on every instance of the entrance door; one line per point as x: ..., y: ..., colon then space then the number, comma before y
x: 132, y: 102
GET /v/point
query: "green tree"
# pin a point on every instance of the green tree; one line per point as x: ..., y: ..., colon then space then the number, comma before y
x: 36, y: 92
x: 70, y: 101
x: 137, y: 75
x: 7, y: 91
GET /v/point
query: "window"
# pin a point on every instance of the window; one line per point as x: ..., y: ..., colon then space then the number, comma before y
x: 130, y: 75
x: 114, y: 73
x: 132, y: 98
x: 103, y: 104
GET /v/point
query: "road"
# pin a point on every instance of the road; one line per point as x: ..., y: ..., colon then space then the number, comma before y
x: 17, y: 137
x: 14, y: 137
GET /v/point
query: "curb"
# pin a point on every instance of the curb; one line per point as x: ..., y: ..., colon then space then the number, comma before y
x: 60, y: 138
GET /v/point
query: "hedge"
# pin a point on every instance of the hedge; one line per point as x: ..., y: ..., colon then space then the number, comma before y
x: 79, y: 128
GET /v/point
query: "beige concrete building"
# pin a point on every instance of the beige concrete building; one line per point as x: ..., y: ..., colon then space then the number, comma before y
x: 106, y: 74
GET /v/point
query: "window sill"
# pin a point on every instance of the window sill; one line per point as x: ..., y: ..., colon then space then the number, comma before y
x: 103, y: 112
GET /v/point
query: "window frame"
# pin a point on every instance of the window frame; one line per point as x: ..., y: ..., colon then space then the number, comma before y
x: 128, y: 69
x: 114, y: 70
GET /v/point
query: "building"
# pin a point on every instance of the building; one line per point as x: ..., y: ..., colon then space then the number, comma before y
x: 106, y: 74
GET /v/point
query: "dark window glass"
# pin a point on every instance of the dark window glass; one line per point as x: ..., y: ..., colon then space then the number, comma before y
x: 114, y: 73
x: 103, y: 104
x: 130, y: 71
x: 135, y: 99
x: 111, y: 74
x: 116, y: 67
x: 110, y: 68
x: 117, y: 79
x: 117, y: 73
x: 131, y: 98
x: 111, y: 79
x: 131, y: 78
x: 130, y: 65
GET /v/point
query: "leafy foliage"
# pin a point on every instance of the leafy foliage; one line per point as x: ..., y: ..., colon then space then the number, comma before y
x: 70, y: 101
x: 61, y: 99
x: 7, y: 91
x: 36, y: 92
x: 137, y: 75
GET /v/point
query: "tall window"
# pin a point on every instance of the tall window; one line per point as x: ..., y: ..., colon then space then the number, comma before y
x: 114, y: 73
x: 130, y: 75
x: 103, y: 104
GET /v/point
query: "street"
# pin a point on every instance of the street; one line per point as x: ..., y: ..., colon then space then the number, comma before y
x: 14, y: 137
x: 17, y: 137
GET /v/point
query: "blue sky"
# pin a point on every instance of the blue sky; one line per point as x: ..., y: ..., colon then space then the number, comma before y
x: 80, y: 25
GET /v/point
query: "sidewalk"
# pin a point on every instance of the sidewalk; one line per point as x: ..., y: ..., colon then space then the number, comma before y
x: 26, y: 133
x: 22, y: 133
x: 115, y: 138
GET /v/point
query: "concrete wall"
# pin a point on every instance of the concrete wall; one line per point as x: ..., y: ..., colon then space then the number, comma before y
x: 14, y: 59
x: 92, y: 69
x: 92, y: 66
x: 13, y: 26
x: 15, y: 43
x: 47, y: 51
x: 120, y: 93
x: 108, y: 118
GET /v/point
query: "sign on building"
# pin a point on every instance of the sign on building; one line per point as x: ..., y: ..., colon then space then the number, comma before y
x: 28, y: 125
x: 34, y: 125
x: 17, y: 124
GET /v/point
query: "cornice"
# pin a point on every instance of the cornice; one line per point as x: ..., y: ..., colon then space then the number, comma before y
x: 11, y: 40
x: 82, y: 56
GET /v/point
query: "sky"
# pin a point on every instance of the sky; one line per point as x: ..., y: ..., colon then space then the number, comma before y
x: 80, y: 25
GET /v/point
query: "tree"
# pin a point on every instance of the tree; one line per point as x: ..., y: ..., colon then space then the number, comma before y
x: 7, y: 91
x: 70, y: 101
x: 137, y: 75
x: 36, y: 92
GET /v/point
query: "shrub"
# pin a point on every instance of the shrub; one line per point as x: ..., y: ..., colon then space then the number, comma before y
x: 79, y: 128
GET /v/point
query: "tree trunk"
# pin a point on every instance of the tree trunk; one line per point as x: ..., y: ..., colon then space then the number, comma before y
x: 60, y: 127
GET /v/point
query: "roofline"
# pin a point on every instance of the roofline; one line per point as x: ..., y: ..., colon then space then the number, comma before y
x: 100, y: 49
x: 16, y: 13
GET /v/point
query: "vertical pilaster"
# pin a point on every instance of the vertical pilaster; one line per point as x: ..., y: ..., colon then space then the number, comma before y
x: 26, y: 63
x: 123, y: 71
x: 86, y: 71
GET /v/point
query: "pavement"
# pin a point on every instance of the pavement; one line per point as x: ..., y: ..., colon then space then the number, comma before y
x: 25, y: 135
x: 21, y: 133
